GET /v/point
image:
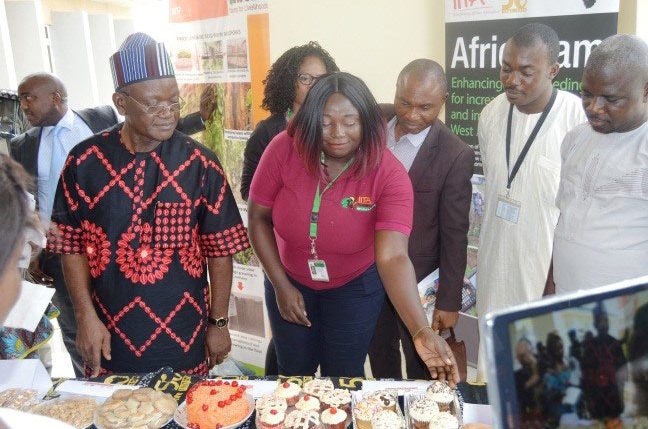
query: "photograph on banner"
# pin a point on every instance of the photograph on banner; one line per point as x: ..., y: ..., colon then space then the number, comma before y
x: 476, y: 33
x: 211, y: 50
x: 584, y: 366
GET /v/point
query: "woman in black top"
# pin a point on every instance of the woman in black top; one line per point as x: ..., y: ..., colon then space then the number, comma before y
x: 288, y: 81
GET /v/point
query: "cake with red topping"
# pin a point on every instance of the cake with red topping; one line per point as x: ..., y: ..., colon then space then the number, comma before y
x: 212, y: 404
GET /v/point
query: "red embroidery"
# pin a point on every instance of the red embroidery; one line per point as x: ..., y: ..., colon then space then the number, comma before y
x: 64, y: 239
x: 163, y: 325
x: 202, y: 369
x: 146, y: 264
x: 191, y: 256
x: 97, y: 247
x: 227, y: 242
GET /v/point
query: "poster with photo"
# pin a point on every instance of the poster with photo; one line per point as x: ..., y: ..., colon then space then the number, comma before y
x: 223, y: 46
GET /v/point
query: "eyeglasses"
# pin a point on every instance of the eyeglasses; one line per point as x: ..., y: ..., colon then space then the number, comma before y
x: 307, y: 79
x: 158, y: 109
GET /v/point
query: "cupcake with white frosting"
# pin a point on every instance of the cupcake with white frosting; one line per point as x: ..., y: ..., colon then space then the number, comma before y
x: 442, y: 394
x: 386, y: 399
x: 444, y: 421
x: 333, y: 418
x: 289, y: 391
x: 338, y: 398
x: 302, y: 419
x: 271, y: 419
x: 318, y: 386
x: 421, y: 412
x: 271, y: 402
x: 308, y: 402
x: 386, y: 419
x: 364, y: 411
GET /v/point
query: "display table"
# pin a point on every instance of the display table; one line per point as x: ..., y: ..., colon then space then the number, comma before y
x: 177, y: 384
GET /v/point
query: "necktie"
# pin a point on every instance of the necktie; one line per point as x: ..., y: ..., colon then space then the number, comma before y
x: 59, y: 154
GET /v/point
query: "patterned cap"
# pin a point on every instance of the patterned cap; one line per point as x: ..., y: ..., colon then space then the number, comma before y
x: 140, y: 58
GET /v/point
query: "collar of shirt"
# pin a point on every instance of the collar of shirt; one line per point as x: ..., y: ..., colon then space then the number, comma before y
x: 415, y: 139
x: 67, y: 122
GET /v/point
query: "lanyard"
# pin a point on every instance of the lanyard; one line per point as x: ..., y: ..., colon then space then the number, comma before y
x: 527, y: 146
x: 314, y: 216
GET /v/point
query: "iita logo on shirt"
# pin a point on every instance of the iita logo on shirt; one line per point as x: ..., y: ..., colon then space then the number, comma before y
x: 361, y: 203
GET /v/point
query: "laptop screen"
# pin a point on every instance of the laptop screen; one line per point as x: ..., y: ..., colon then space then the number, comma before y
x: 579, y: 361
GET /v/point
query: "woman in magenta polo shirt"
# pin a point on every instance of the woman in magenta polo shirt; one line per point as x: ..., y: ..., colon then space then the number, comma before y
x: 330, y: 211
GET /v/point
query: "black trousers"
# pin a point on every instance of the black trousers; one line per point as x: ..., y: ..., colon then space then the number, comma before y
x: 384, y: 350
x: 50, y: 264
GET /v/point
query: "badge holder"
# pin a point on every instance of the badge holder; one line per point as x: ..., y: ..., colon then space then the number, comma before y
x: 508, y: 208
x: 316, y: 266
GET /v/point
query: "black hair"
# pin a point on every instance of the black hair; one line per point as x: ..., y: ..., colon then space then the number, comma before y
x: 306, y: 126
x: 529, y: 34
x: 14, y: 210
x: 620, y: 52
x: 425, y: 67
x: 279, y: 92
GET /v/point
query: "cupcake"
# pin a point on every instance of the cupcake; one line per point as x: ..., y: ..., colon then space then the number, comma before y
x: 289, y: 391
x: 318, y: 386
x: 387, y: 400
x: 333, y: 418
x: 442, y: 394
x: 421, y: 412
x: 270, y: 402
x: 303, y: 419
x: 444, y: 421
x: 271, y: 419
x: 364, y: 412
x: 386, y: 420
x: 338, y: 398
x: 308, y: 402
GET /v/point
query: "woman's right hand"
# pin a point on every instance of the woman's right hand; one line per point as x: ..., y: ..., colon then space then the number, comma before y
x: 291, y: 305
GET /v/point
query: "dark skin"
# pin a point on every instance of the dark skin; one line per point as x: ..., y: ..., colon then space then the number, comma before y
x: 42, y: 99
x: 419, y: 99
x: 341, y: 137
x: 615, y: 99
x: 527, y: 73
x: 143, y: 132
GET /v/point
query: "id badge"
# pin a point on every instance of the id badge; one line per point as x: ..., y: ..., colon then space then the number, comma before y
x: 318, y: 271
x: 508, y: 209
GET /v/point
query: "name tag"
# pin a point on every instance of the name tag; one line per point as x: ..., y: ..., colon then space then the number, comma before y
x: 508, y: 209
x: 318, y: 271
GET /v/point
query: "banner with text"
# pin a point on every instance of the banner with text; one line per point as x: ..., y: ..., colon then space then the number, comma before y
x: 223, y: 46
x: 476, y: 32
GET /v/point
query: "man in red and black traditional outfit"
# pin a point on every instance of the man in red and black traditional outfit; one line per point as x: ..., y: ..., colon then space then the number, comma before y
x: 142, y: 214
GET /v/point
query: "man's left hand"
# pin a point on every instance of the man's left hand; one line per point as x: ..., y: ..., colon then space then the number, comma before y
x: 442, y: 320
x: 208, y: 102
x: 217, y: 345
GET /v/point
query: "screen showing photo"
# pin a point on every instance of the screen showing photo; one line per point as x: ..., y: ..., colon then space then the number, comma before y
x: 583, y: 366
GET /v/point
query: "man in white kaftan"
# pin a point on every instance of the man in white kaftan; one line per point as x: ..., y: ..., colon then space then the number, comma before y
x: 516, y: 239
x: 602, y: 234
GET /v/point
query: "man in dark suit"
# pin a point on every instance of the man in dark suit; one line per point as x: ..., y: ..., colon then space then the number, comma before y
x: 440, y: 166
x: 42, y: 151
